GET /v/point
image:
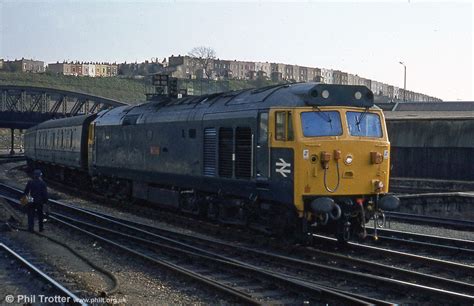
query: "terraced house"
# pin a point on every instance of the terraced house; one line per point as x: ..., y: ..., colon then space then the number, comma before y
x: 185, y: 67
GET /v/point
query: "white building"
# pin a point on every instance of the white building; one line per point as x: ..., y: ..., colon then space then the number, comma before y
x: 265, y: 67
x: 327, y: 75
x: 88, y: 70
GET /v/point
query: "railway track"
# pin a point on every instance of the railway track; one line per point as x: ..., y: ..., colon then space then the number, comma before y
x: 322, y: 273
x: 367, y: 276
x: 325, y: 264
x: 398, y: 259
x: 462, y: 247
x: 24, y: 283
x: 243, y: 282
x: 283, y: 267
x: 430, y: 220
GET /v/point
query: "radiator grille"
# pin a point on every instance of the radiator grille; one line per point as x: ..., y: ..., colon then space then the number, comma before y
x: 210, y: 149
x: 226, y: 144
x: 243, y: 152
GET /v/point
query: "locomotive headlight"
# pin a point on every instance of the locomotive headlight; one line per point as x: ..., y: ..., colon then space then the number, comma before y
x: 325, y: 94
x: 348, y: 160
x: 358, y: 95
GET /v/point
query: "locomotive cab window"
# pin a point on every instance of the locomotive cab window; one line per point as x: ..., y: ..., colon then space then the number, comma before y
x: 364, y: 124
x: 283, y: 126
x: 321, y: 123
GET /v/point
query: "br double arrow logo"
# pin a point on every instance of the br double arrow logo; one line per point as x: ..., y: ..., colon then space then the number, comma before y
x: 284, y: 167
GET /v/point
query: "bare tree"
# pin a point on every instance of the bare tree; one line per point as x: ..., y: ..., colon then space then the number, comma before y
x: 203, y: 57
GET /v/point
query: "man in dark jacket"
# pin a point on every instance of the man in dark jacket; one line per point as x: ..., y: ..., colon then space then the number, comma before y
x: 38, y: 191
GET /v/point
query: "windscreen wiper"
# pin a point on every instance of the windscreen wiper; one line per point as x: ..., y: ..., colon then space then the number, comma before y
x: 325, y: 117
x: 361, y: 117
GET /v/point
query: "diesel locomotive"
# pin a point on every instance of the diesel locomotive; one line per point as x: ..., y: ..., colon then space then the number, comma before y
x: 288, y: 159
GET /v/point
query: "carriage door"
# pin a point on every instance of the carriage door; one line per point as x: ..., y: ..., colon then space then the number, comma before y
x: 262, y: 156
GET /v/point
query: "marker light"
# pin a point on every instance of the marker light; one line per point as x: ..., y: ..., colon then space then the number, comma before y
x: 348, y: 160
x: 378, y: 186
x: 325, y: 94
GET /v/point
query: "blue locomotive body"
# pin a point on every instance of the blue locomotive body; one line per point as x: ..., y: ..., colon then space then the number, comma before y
x: 219, y: 155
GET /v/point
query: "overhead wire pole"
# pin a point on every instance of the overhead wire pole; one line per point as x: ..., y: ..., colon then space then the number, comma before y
x: 404, y: 81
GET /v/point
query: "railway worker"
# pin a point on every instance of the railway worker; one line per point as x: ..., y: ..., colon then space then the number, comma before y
x: 38, y: 191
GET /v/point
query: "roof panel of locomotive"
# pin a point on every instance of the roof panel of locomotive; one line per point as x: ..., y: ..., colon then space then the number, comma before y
x: 288, y: 95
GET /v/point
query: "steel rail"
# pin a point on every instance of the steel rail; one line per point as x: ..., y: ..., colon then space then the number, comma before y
x: 450, y: 244
x: 60, y: 288
x: 440, y: 263
x: 225, y: 288
x: 355, y: 275
x: 335, y: 294
x: 97, y: 215
x: 353, y: 261
x: 459, y: 223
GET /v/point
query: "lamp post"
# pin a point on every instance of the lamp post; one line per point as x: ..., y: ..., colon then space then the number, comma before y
x: 404, y: 81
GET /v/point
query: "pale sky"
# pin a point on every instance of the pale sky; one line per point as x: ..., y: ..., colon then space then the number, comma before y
x: 434, y: 39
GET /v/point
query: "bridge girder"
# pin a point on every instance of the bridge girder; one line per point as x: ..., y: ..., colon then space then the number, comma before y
x: 26, y: 106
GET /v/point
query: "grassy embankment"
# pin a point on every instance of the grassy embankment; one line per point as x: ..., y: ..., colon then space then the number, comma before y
x: 125, y: 90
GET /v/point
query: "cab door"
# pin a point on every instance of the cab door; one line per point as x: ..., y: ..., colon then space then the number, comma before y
x: 262, y: 156
x: 91, y: 146
x: 282, y: 163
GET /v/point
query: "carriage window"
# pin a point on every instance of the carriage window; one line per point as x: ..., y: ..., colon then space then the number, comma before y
x: 283, y: 126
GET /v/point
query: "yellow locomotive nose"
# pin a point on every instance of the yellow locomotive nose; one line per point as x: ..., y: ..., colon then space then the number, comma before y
x: 355, y: 167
